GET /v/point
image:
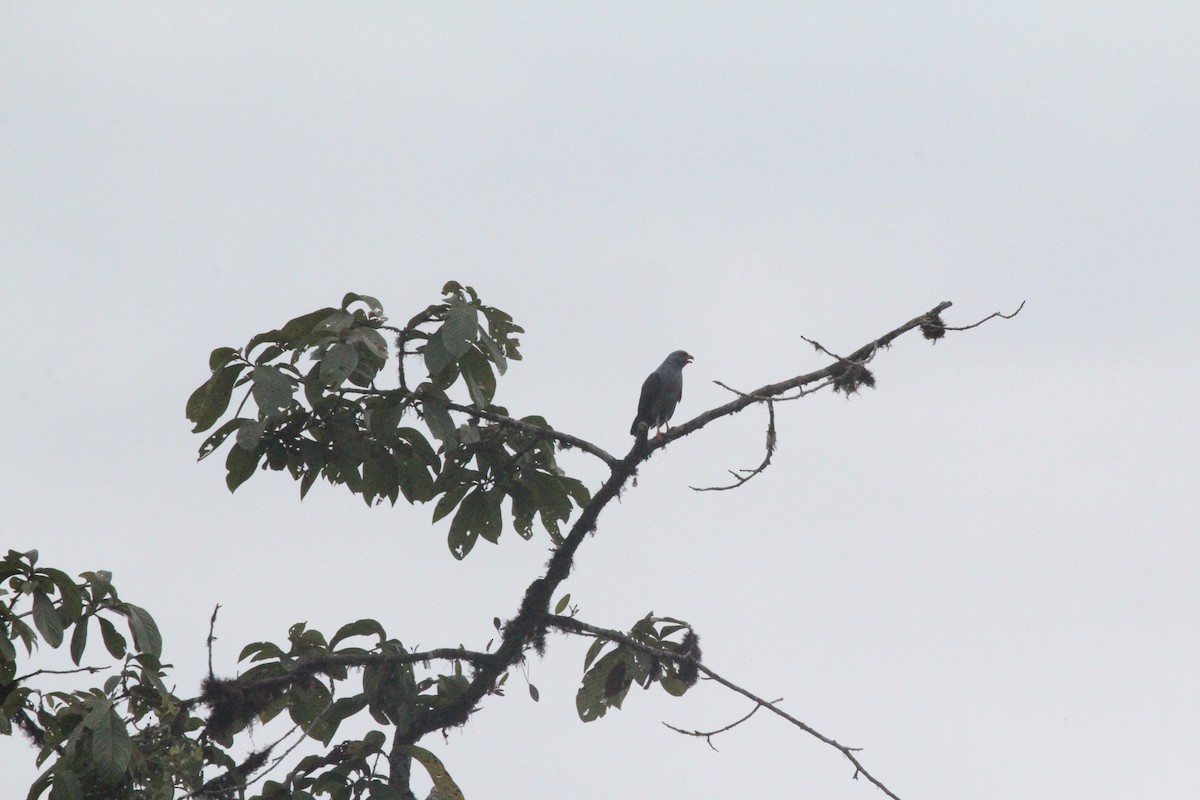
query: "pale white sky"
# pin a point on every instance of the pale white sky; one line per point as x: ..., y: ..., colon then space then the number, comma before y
x: 983, y: 572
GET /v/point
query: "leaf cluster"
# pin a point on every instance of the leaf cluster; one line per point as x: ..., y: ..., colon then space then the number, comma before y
x: 304, y: 680
x: 647, y: 655
x: 98, y: 742
x: 321, y: 413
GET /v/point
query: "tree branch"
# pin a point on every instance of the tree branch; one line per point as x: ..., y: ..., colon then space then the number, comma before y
x: 773, y: 390
x: 993, y: 315
x: 707, y: 735
x: 572, y: 625
x: 747, y: 474
x: 564, y: 439
x: 527, y: 627
x: 35, y: 673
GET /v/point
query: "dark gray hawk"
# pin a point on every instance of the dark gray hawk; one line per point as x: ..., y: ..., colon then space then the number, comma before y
x: 662, y: 389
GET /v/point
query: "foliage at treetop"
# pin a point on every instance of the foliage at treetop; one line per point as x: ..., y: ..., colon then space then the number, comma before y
x: 326, y: 418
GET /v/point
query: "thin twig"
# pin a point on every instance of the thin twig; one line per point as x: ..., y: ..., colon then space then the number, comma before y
x: 212, y: 624
x: 993, y: 315
x: 820, y: 348
x: 35, y: 673
x: 707, y: 735
x: 743, y: 475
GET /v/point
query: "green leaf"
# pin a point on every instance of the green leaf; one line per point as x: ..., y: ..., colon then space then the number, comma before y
x: 533, y: 692
x: 239, y: 466
x: 111, y: 746
x: 273, y: 389
x: 381, y: 477
x: 72, y: 599
x: 604, y: 685
x: 114, y: 642
x: 46, y: 619
x: 446, y: 788
x: 363, y: 627
x: 100, y: 583
x: 478, y: 398
x: 415, y: 481
x: 370, y: 340
x: 523, y: 510
x: 335, y: 324
x: 79, y: 640
x: 24, y: 632
x: 562, y: 603
x: 464, y: 529
x: 146, y: 637
x: 306, y: 701
x: 578, y: 492
x: 420, y: 445
x: 337, y: 364
x: 494, y: 352
x: 371, y: 302
x: 492, y: 524
x: 66, y: 784
x: 250, y: 434
x: 459, y: 330
x: 339, y: 710
x: 220, y: 357
x: 298, y: 332
x: 593, y: 651
x: 551, y: 498
x: 437, y: 357
x: 374, y: 741
x: 211, y: 399
x: 261, y: 651
x: 674, y: 686
x: 440, y: 423
x: 220, y: 435
x: 307, y: 482
x: 270, y: 354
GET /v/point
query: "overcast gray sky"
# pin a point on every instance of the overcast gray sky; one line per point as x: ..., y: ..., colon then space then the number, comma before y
x: 983, y: 572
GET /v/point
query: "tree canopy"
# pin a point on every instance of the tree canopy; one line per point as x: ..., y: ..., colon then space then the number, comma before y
x: 313, y: 400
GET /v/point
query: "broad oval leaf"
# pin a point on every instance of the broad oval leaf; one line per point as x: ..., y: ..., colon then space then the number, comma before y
x: 459, y: 330
x: 218, y: 437
x: 363, y: 627
x: 562, y: 603
x: 371, y: 302
x: 446, y: 788
x: 440, y: 423
x: 239, y: 465
x: 79, y: 640
x: 337, y: 364
x: 211, y: 399
x: 336, y: 323
x: 272, y: 389
x: 46, y: 619
x: 437, y: 357
x: 250, y: 434
x: 370, y: 340
x: 114, y: 642
x: 111, y: 746
x: 146, y: 637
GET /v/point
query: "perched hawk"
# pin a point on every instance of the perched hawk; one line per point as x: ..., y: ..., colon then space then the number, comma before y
x: 662, y: 389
